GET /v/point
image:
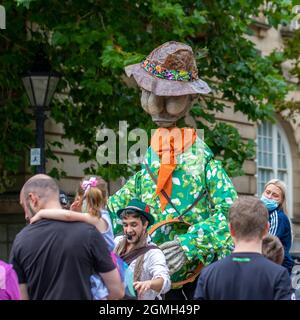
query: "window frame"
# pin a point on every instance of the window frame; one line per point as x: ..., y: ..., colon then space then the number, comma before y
x: 278, y: 129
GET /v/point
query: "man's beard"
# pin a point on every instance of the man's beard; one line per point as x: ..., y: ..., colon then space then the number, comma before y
x: 137, y: 240
x: 32, y: 211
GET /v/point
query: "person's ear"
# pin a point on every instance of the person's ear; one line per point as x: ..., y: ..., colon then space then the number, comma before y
x: 266, y: 230
x: 33, y: 198
x: 146, y: 225
x: 232, y: 232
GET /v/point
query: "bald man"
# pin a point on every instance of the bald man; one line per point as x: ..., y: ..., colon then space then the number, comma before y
x: 53, y: 259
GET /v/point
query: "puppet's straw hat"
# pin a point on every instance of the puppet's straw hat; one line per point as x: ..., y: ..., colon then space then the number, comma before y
x: 169, y: 70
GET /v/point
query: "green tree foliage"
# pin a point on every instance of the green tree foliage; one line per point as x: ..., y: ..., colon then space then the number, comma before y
x: 91, y: 41
x: 292, y: 52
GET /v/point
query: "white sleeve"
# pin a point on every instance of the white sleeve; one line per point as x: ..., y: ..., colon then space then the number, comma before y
x: 157, y: 267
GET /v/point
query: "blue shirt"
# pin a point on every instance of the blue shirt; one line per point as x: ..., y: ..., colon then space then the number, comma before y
x: 280, y: 227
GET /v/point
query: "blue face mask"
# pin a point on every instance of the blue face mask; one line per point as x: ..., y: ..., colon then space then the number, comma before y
x: 269, y: 203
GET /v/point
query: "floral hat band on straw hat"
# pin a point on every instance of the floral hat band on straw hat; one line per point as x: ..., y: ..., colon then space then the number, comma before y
x: 87, y: 184
x: 168, y: 74
x: 169, y: 70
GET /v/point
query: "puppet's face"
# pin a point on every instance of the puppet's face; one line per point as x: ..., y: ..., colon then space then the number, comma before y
x: 165, y: 110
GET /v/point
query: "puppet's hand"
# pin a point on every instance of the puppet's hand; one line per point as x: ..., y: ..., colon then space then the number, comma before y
x: 174, y: 254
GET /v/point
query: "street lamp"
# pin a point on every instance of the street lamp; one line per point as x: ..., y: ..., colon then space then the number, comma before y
x: 40, y: 84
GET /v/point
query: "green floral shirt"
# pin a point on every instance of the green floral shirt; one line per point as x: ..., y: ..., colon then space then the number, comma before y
x: 208, y: 236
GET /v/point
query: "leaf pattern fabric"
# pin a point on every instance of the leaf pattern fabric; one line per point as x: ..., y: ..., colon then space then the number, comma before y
x: 207, y: 237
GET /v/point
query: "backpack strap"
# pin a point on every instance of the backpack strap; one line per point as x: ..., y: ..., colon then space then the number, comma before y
x: 134, y: 254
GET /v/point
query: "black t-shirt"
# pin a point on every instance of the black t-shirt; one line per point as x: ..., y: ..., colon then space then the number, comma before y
x: 56, y: 259
x: 244, y: 276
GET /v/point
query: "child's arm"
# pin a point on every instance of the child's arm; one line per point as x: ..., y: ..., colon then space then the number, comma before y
x: 58, y: 214
x: 67, y: 215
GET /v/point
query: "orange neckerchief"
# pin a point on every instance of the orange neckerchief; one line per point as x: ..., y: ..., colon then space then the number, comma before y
x: 168, y: 143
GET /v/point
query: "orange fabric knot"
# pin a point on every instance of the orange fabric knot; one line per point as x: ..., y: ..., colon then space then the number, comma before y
x: 168, y: 143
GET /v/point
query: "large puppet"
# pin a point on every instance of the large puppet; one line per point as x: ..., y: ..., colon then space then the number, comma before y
x: 179, y: 176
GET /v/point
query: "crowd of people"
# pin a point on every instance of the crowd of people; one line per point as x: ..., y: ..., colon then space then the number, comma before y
x: 72, y: 253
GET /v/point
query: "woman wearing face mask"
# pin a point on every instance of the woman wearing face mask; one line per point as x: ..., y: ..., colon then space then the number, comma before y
x: 274, y: 198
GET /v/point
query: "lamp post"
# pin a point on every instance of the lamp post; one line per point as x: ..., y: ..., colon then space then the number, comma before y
x: 40, y: 84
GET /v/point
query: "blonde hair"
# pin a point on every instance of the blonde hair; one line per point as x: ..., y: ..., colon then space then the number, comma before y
x: 282, y: 186
x: 93, y: 198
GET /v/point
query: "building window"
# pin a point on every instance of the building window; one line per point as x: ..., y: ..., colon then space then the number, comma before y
x: 273, y: 158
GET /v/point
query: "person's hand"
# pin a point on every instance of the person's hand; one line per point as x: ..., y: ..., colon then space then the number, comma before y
x: 36, y: 217
x: 174, y: 254
x: 76, y: 206
x: 142, y: 286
